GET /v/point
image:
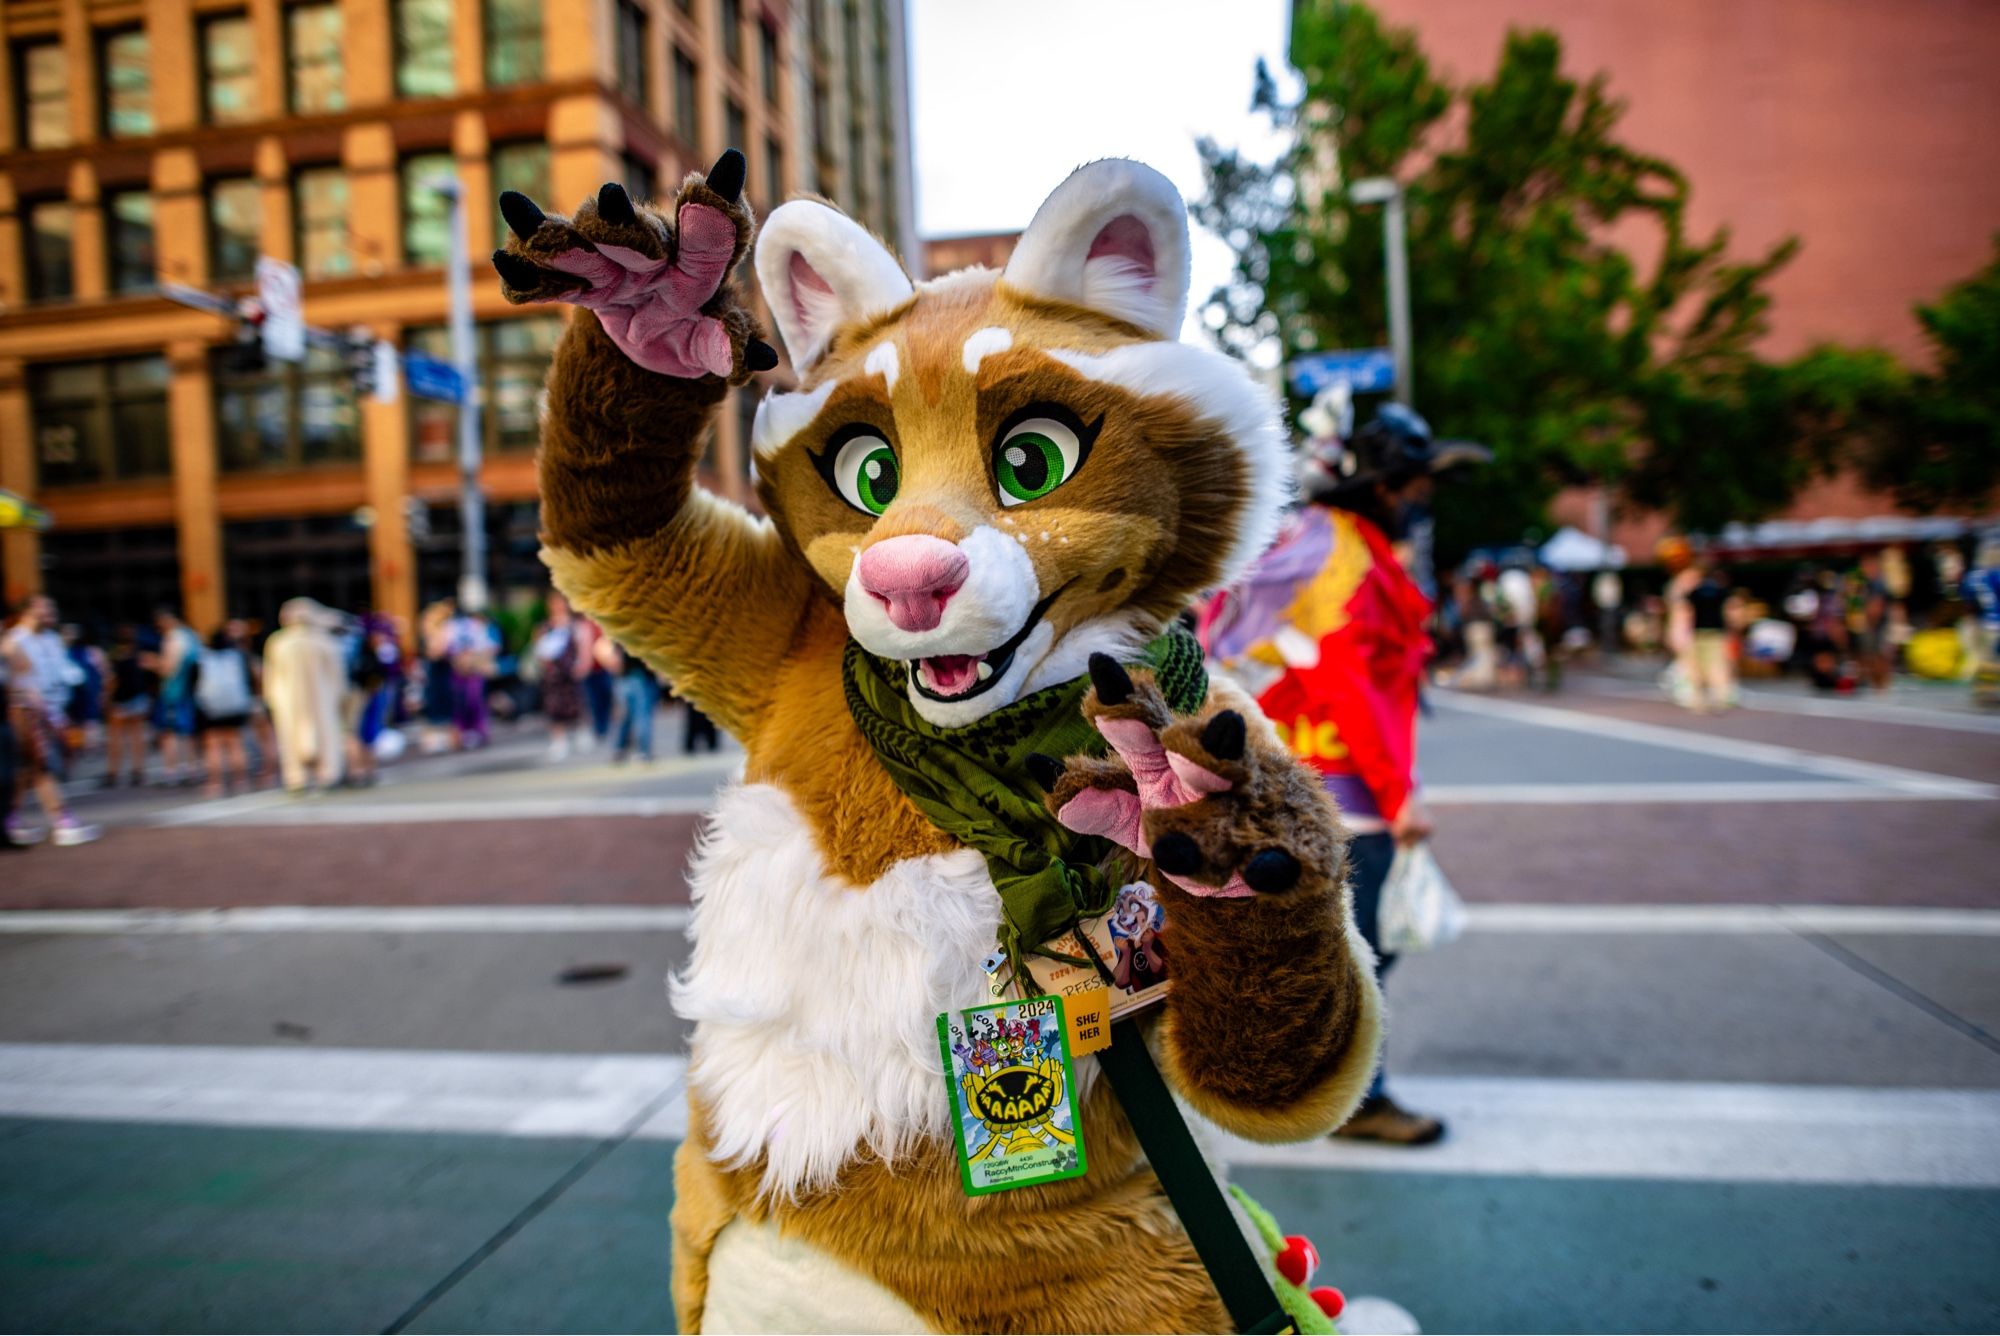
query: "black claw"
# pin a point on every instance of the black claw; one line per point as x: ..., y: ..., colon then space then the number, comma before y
x: 1113, y: 683
x: 1224, y: 735
x: 1272, y: 871
x: 1176, y: 854
x: 1044, y: 770
x: 517, y: 273
x: 523, y: 215
x: 726, y: 177
x: 615, y: 206
x: 759, y: 355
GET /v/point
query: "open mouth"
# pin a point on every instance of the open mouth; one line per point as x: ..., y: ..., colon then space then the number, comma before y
x: 956, y: 677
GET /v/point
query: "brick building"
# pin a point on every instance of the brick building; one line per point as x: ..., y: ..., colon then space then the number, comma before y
x: 149, y: 141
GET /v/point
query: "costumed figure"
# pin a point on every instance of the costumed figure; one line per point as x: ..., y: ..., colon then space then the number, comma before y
x: 1329, y: 631
x: 988, y: 495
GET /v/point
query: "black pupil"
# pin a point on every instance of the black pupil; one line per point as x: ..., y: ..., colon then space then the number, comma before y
x: 1033, y: 472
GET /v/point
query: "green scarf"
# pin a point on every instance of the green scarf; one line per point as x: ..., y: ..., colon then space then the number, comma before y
x: 973, y: 782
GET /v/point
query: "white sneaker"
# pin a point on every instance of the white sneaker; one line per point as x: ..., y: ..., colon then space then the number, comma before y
x: 68, y: 830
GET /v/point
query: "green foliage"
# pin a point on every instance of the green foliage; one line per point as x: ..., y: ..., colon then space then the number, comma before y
x: 1950, y: 453
x: 1562, y: 312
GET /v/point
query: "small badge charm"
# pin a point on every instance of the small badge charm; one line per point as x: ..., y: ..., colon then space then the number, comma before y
x: 1012, y: 1094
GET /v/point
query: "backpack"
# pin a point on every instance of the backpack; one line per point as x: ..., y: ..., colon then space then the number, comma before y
x: 223, y: 691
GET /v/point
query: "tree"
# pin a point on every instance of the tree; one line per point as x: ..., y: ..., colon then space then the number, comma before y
x: 1562, y: 312
x: 1949, y: 453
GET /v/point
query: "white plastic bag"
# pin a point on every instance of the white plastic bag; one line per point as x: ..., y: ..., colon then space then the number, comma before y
x: 1420, y: 911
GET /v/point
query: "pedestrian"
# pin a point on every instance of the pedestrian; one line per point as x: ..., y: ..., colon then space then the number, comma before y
x: 174, y: 713
x: 87, y: 700
x: 473, y: 644
x: 1981, y: 589
x: 131, y: 703
x: 1713, y: 684
x: 377, y: 683
x: 305, y: 677
x: 638, y: 700
x: 599, y: 662
x: 1339, y: 676
x: 1866, y: 599
x: 223, y: 693
x: 556, y: 646
x: 434, y: 636
x: 40, y: 677
x: 699, y: 732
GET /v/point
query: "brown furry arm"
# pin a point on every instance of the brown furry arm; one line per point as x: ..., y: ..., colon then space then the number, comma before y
x: 1274, y: 1021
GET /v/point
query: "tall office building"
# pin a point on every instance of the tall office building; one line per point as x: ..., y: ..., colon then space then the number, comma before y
x: 145, y: 142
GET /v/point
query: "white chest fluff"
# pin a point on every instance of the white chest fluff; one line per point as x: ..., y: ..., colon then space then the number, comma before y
x: 815, y: 1002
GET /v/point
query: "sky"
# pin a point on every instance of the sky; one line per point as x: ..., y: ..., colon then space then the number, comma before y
x: 1009, y: 96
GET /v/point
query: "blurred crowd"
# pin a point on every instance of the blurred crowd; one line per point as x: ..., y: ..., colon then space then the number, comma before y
x: 315, y: 702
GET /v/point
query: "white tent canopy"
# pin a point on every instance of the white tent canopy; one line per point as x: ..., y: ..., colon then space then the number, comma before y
x: 1574, y: 550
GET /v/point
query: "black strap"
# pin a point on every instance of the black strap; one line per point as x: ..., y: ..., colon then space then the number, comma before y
x: 1196, y: 1196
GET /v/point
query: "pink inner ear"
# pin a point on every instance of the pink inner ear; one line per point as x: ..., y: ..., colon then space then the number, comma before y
x: 805, y: 279
x: 1125, y: 238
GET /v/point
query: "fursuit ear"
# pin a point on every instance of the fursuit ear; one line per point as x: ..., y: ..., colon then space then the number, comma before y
x: 1113, y: 238
x: 822, y: 270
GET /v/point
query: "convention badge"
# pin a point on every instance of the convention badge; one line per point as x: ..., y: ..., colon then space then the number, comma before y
x: 1013, y: 1094
x: 1128, y: 941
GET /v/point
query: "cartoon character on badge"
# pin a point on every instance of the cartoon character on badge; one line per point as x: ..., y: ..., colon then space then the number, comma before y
x: 1140, y: 954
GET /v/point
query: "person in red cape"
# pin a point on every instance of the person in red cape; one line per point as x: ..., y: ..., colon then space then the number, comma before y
x: 1329, y: 633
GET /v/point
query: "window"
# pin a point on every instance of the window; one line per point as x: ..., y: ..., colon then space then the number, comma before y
x: 639, y: 177
x: 50, y: 269
x: 523, y: 167
x: 125, y: 76
x: 513, y: 42
x: 426, y: 213
x: 635, y: 57
x: 513, y: 366
x: 312, y: 58
x: 285, y: 416
x: 767, y: 53
x: 102, y: 421
x: 687, y: 99
x: 774, y: 173
x: 41, y: 90
x: 734, y: 131
x: 319, y: 215
x: 423, y: 49
x: 229, y: 79
x: 235, y: 229
x: 729, y: 14
x: 128, y: 241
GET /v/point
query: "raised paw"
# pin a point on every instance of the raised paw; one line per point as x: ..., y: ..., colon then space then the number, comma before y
x: 1221, y: 809
x: 658, y: 285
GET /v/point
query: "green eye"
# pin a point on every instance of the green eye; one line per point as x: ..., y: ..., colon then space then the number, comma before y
x: 1034, y: 458
x: 865, y: 473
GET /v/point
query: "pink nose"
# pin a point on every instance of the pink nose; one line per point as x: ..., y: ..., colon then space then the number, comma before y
x: 913, y: 576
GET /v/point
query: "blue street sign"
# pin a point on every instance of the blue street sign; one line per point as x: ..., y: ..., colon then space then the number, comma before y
x: 428, y: 378
x: 1365, y: 370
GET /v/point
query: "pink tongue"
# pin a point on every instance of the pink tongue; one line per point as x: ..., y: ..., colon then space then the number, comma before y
x: 952, y: 673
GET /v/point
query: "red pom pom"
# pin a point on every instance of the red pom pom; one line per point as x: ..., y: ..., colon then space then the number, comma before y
x: 1330, y: 1300
x: 1299, y: 1259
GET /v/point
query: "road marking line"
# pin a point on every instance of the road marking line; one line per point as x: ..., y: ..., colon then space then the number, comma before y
x: 1526, y: 919
x: 281, y: 810
x: 372, y: 1090
x: 1730, y: 919
x: 1848, y: 708
x: 1913, y: 782
x: 1537, y: 1127
x: 1678, y: 1130
x: 345, y: 919
x: 1674, y: 791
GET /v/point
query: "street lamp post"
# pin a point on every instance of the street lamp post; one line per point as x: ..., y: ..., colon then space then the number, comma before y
x: 472, y: 592
x: 1385, y: 191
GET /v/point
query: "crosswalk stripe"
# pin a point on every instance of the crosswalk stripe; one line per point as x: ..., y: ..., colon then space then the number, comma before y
x: 1515, y: 1126
x: 1612, y: 920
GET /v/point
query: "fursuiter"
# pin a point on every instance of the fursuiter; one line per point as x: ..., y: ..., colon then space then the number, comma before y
x: 988, y: 493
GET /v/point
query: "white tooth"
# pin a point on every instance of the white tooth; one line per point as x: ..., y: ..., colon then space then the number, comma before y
x: 985, y: 670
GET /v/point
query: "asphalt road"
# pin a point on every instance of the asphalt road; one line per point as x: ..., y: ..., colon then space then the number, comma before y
x: 1719, y: 1049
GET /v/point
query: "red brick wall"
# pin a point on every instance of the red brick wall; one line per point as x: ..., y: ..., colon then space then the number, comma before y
x: 1869, y: 128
